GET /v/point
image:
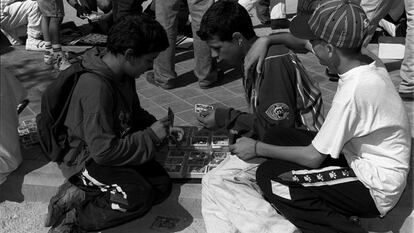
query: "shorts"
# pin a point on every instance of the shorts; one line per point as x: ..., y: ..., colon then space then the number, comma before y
x: 51, y: 8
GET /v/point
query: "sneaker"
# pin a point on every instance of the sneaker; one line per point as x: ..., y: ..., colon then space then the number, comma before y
x: 62, y: 62
x: 166, y: 86
x: 68, y: 224
x: 34, y: 44
x: 48, y: 58
x: 68, y: 197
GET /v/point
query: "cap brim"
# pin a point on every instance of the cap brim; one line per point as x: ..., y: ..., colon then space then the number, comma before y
x: 300, y: 28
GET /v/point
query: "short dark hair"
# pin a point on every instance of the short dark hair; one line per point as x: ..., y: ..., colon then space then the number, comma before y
x: 140, y: 33
x: 224, y: 18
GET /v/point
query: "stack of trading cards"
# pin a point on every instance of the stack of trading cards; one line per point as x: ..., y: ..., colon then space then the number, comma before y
x: 185, y: 141
x: 200, y: 138
x: 175, y: 162
x: 28, y: 133
x: 196, y: 164
x: 219, y: 140
x: 216, y: 158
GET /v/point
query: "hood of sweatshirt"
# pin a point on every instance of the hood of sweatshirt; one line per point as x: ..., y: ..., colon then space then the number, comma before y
x: 92, y: 62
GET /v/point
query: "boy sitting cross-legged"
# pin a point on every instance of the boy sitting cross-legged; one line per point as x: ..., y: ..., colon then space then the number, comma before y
x: 111, y: 171
x: 281, y: 94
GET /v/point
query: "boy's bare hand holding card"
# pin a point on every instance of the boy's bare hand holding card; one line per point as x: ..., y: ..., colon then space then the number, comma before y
x: 205, y: 115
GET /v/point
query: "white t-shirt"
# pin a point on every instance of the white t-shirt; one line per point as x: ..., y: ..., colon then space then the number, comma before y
x: 368, y: 123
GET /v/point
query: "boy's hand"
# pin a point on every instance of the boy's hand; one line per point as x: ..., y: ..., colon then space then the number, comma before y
x: 244, y: 148
x: 161, y: 128
x: 207, y: 119
x: 256, y: 54
x: 176, y: 134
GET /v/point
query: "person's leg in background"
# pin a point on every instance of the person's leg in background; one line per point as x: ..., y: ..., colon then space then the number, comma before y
x: 205, y: 66
x: 278, y: 18
x: 121, y: 8
x: 406, y: 88
x: 24, y: 14
x: 166, y: 13
x: 262, y: 11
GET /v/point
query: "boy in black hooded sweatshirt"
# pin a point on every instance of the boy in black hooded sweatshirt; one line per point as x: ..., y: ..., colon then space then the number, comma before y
x: 112, y: 174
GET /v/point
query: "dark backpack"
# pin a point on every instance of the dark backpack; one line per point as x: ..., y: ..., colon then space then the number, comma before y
x: 53, y: 136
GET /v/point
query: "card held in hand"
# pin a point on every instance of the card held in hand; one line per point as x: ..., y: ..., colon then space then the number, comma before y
x: 202, y: 108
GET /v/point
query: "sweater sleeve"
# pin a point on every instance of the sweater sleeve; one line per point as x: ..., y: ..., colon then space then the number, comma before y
x: 230, y: 118
x: 105, y: 145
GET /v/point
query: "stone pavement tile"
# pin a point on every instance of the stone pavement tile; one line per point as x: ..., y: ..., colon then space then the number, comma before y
x: 238, y: 89
x: 147, y: 103
x: 203, y: 99
x: 235, y: 102
x: 185, y: 93
x: 165, y: 98
x: 188, y: 116
x: 152, y: 91
x: 178, y: 106
x: 219, y: 105
x: 222, y: 94
x: 157, y: 111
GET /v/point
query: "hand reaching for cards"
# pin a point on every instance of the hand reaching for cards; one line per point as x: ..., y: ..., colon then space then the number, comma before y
x: 161, y: 128
x: 244, y: 148
x: 207, y: 119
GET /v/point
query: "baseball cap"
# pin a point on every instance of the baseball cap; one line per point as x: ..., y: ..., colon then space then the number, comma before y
x: 342, y: 23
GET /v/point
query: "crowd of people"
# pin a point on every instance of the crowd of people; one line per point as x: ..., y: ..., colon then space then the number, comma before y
x: 291, y: 167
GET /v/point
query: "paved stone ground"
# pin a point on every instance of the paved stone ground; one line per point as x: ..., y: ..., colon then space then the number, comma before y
x: 35, y: 181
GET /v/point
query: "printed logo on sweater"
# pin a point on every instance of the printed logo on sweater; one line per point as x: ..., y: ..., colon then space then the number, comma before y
x: 278, y: 111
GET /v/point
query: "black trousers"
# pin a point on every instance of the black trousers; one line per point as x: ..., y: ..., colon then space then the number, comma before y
x: 317, y: 209
x: 115, y: 195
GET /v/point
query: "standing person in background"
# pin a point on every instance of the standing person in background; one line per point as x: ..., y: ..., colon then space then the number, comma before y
x: 205, y: 69
x: 406, y: 88
x: 53, y: 13
x: 121, y: 8
x: 16, y: 15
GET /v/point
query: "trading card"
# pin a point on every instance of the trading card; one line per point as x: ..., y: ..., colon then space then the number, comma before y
x: 175, y: 168
x: 198, y: 155
x: 170, y: 116
x: 218, y: 157
x: 174, y: 161
x: 199, y: 141
x: 184, y: 138
x: 176, y: 153
x: 164, y: 223
x: 202, y: 108
x: 219, y: 141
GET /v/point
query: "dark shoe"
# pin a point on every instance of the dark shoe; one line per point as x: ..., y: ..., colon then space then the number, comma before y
x: 208, y: 83
x: 279, y: 23
x: 166, y: 86
x: 333, y: 77
x: 68, y: 197
x: 68, y: 224
x: 407, y: 96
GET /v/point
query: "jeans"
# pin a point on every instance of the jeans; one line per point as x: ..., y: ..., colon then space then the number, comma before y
x: 166, y: 13
x: 407, y: 66
x: 18, y: 15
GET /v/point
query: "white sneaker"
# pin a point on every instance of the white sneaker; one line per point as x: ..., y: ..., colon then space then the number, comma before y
x: 62, y: 62
x: 34, y: 44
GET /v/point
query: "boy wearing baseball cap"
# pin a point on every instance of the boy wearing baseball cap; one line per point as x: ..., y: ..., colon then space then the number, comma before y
x: 357, y: 164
